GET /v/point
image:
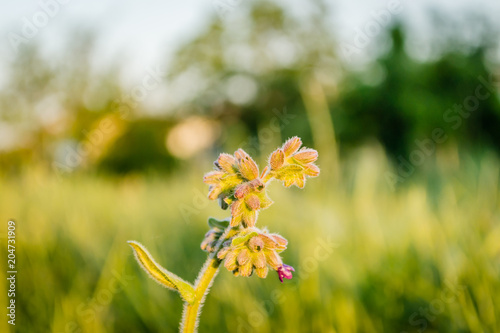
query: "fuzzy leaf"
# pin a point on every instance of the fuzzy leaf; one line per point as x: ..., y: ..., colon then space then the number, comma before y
x: 242, y: 239
x: 264, y: 200
x: 229, y: 181
x: 221, y: 224
x: 160, y: 274
x: 291, y: 174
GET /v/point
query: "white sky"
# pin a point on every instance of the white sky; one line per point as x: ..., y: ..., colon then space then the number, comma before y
x: 144, y: 32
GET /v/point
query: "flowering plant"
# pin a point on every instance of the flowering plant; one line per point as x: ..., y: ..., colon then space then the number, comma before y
x: 243, y: 248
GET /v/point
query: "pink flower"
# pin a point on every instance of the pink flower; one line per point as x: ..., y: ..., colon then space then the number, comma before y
x: 285, y: 271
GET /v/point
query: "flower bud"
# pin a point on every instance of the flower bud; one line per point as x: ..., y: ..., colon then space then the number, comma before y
x: 280, y: 241
x: 256, y: 244
x: 230, y: 262
x: 306, y: 155
x: 240, y: 154
x: 211, y: 238
x: 226, y: 163
x: 248, y: 202
x: 256, y: 185
x: 213, y: 177
x: 243, y: 257
x: 252, y: 201
x: 311, y: 170
x: 246, y: 269
x: 285, y: 271
x: 236, y: 213
x: 277, y: 159
x: 260, y: 260
x: 273, y: 259
x: 214, y: 192
x: 291, y: 145
x: 248, y: 168
x: 242, y: 214
x: 261, y: 272
x: 242, y: 190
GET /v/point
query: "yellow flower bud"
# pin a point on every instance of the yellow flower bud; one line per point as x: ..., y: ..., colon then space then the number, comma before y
x: 252, y: 201
x: 226, y: 163
x: 306, y: 155
x: 248, y: 168
x: 277, y: 159
x: 291, y: 145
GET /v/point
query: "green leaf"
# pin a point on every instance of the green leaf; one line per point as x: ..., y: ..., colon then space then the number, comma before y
x: 160, y: 274
x: 221, y: 224
x: 240, y: 240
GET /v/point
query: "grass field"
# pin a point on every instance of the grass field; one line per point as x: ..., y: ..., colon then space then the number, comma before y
x: 422, y: 258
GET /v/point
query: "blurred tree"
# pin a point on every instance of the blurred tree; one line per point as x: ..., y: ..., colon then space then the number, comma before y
x: 247, y: 71
x: 140, y: 148
x: 414, y: 98
x: 48, y: 101
x: 262, y: 74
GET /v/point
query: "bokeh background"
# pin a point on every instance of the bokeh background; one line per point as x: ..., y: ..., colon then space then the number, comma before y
x: 110, y: 114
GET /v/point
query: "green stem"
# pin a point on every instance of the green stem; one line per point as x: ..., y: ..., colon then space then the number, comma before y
x: 205, y: 278
x: 192, y: 311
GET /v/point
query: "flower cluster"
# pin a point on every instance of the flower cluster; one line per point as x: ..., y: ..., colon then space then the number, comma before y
x: 291, y: 165
x: 254, y: 249
x: 237, y: 183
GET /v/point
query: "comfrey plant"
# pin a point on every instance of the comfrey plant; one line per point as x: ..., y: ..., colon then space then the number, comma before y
x: 243, y: 248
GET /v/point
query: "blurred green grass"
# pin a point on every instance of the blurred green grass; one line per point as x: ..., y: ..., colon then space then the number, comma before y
x: 424, y: 257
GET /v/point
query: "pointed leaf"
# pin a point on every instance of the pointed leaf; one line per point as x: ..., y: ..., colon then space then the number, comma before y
x: 160, y: 274
x: 221, y: 224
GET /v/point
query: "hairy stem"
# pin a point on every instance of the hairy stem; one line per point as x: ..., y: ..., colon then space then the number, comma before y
x: 268, y: 176
x: 205, y: 279
x: 192, y: 311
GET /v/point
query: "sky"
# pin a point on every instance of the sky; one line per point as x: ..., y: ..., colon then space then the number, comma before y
x: 145, y: 32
